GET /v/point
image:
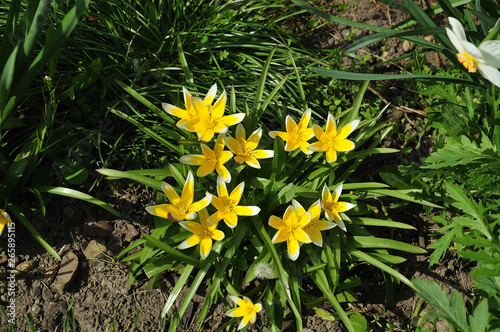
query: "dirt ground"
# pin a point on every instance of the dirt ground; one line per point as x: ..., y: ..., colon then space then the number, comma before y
x: 100, y: 293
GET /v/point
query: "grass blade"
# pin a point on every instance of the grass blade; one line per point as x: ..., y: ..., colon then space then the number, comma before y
x: 78, y: 195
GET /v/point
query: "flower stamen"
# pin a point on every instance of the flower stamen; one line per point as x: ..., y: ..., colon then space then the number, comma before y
x: 467, y: 61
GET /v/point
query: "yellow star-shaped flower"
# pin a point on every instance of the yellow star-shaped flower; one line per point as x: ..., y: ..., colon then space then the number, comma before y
x: 181, y: 208
x: 245, y: 309
x: 203, y: 233
x: 4, y: 220
x: 291, y: 230
x: 211, y: 119
x: 244, y: 149
x: 211, y: 160
x: 296, y: 135
x: 333, y: 207
x: 190, y: 112
x: 315, y: 226
x: 227, y: 205
x: 332, y: 140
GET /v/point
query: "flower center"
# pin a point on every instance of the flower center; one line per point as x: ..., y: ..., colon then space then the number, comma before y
x: 331, y: 206
x: 468, y: 61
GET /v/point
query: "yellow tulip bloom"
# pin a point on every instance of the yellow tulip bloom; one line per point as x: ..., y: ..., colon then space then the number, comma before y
x: 291, y: 230
x: 211, y: 119
x: 211, y: 160
x: 296, y: 135
x: 203, y: 233
x: 245, y: 149
x: 332, y: 140
x: 190, y: 112
x: 333, y: 207
x: 315, y: 226
x: 181, y: 208
x: 4, y: 220
x: 245, y: 309
x: 227, y: 205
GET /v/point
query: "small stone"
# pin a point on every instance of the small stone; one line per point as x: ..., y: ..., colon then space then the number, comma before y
x: 407, y: 45
x: 26, y: 266
x: 66, y: 272
x: 36, y: 309
x: 94, y: 249
x: 47, y: 294
x: 130, y: 232
x: 3, y: 258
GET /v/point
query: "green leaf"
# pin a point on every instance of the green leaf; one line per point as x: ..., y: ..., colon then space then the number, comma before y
x: 381, y: 243
x: 452, y: 310
x: 114, y: 174
x: 382, y: 77
x: 359, y: 322
x: 184, y: 64
x: 171, y: 251
x: 78, y: 195
x: 17, y: 213
x: 380, y: 223
x: 479, y: 320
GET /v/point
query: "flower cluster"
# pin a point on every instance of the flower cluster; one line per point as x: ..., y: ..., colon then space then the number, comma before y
x: 297, y: 226
x: 329, y: 140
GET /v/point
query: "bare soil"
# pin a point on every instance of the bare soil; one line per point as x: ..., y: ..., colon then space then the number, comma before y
x: 101, y: 295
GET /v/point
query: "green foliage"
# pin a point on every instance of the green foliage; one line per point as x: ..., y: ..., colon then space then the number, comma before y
x: 271, y: 188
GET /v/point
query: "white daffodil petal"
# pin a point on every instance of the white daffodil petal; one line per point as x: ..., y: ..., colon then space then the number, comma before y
x: 490, y: 73
x: 457, y: 27
x: 491, y: 52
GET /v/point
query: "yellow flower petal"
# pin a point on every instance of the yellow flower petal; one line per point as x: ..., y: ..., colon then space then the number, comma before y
x: 188, y: 191
x: 347, y: 129
x: 331, y: 155
x: 276, y: 222
x: 193, y: 159
x: 171, y: 193
x: 206, y: 135
x: 293, y: 249
x: 301, y: 235
x: 262, y: 154
x: 163, y: 211
x: 201, y: 204
x: 240, y: 132
x: 281, y: 236
x: 209, y: 98
x: 246, y: 210
x: 304, y: 120
x: 234, y: 146
x: 217, y: 203
x: 218, y: 235
x: 223, y: 172
x: 230, y: 120
x: 190, y: 242
x: 283, y: 135
x: 205, y: 169
x: 344, y: 145
x: 205, y: 247
x: 237, y: 193
x: 231, y: 219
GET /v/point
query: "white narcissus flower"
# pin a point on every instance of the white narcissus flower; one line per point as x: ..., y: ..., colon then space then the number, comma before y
x: 485, y: 58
